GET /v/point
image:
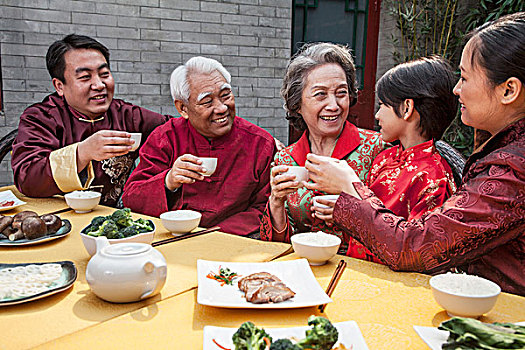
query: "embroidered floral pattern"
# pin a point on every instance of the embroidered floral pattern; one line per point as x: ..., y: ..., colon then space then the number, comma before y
x: 478, y: 230
x: 299, y: 203
x: 118, y: 169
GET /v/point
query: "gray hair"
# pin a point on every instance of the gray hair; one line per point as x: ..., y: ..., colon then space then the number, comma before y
x: 301, y: 64
x: 179, y: 85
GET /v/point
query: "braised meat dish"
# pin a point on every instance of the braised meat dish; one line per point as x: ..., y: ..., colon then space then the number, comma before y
x: 263, y: 287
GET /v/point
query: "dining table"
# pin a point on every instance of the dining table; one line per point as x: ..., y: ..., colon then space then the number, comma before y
x: 384, y: 304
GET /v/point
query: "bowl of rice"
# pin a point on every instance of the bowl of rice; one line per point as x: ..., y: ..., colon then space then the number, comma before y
x: 464, y: 295
x: 316, y: 247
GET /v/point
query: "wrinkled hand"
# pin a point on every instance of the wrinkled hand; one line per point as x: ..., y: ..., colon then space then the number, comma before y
x: 330, y: 175
x: 103, y: 144
x: 282, y: 184
x: 186, y: 170
x: 326, y: 214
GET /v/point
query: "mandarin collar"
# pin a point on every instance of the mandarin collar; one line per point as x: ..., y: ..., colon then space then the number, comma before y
x: 421, y: 150
x: 215, y: 142
x: 346, y: 143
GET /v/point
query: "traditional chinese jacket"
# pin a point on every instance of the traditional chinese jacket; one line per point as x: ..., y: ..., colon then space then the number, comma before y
x: 479, y: 229
x: 413, y: 181
x: 233, y: 197
x: 358, y: 147
x: 44, y: 155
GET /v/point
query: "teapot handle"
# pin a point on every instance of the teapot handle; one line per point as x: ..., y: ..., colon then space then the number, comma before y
x: 159, y: 270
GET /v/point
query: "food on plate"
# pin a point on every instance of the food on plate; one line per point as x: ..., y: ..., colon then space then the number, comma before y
x: 263, y: 287
x: 469, y: 333
x: 23, y: 281
x: 28, y: 225
x: 120, y: 224
x: 250, y: 337
x: 322, y: 336
x: 225, y: 276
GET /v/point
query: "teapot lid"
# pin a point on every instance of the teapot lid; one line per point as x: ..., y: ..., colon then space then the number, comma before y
x: 126, y: 249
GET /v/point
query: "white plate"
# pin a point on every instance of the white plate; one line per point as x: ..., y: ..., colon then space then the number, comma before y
x: 68, y: 277
x: 435, y: 338
x: 7, y: 196
x: 349, y: 335
x: 296, y: 274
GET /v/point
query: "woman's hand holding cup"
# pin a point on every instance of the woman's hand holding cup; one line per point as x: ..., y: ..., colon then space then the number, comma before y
x: 330, y: 175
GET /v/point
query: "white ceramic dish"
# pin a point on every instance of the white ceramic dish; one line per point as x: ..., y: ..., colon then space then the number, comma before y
x: 82, y: 201
x: 330, y: 197
x: 135, y: 136
x: 349, y: 335
x: 62, y: 232
x: 68, y: 277
x: 435, y: 338
x: 296, y: 274
x: 465, y: 304
x: 6, y: 197
x: 91, y: 245
x: 180, y: 221
x: 319, y: 251
x: 210, y: 164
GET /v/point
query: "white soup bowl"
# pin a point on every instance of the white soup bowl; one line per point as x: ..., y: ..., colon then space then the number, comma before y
x: 82, y: 201
x: 180, y: 221
x: 316, y: 247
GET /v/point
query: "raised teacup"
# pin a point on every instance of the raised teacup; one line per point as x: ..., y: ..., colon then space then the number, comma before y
x: 330, y: 197
x: 136, y: 136
x: 300, y: 172
x: 210, y: 164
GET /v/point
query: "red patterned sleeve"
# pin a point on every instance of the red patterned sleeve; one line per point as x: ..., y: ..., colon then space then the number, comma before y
x: 266, y: 228
x: 486, y: 213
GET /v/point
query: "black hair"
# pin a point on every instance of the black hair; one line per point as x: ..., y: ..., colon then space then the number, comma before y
x: 55, y: 62
x: 499, y: 48
x: 428, y: 81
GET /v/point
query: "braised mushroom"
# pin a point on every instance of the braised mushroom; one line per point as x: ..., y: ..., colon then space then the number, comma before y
x: 19, y: 217
x: 53, y: 223
x: 13, y: 234
x: 5, y: 222
x: 34, y: 227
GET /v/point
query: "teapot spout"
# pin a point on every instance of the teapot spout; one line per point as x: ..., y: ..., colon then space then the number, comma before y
x: 101, y: 241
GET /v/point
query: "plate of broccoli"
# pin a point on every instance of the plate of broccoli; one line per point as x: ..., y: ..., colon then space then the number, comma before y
x: 117, y: 227
x: 320, y: 334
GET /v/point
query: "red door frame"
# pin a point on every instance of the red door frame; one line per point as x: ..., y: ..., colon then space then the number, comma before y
x: 362, y: 114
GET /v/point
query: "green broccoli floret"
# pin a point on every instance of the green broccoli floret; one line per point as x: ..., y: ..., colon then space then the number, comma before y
x: 108, y: 229
x: 122, y: 217
x: 249, y: 337
x: 96, y: 222
x: 322, y: 336
x: 284, y: 344
x: 143, y: 225
x: 129, y: 231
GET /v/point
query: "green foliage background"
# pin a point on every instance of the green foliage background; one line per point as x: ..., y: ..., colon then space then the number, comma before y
x: 428, y: 27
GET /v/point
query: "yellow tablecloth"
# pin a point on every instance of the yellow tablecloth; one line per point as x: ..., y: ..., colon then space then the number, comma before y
x: 385, y: 305
x: 39, y: 205
x: 78, y: 308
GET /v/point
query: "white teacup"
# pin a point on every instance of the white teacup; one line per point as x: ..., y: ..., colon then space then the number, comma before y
x: 210, y: 164
x: 300, y: 172
x: 330, y: 197
x: 135, y: 136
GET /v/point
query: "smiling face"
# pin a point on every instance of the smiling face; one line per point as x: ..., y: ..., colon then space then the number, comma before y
x: 211, y: 105
x: 88, y: 85
x: 325, y: 100
x: 392, y: 127
x: 479, y: 106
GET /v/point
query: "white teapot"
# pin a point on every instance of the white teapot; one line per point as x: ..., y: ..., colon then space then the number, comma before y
x: 125, y: 272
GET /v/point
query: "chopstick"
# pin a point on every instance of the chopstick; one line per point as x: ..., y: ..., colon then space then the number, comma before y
x: 333, y: 282
x: 180, y: 238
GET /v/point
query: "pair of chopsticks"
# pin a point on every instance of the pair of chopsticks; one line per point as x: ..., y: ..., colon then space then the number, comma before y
x: 180, y: 238
x: 333, y: 282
